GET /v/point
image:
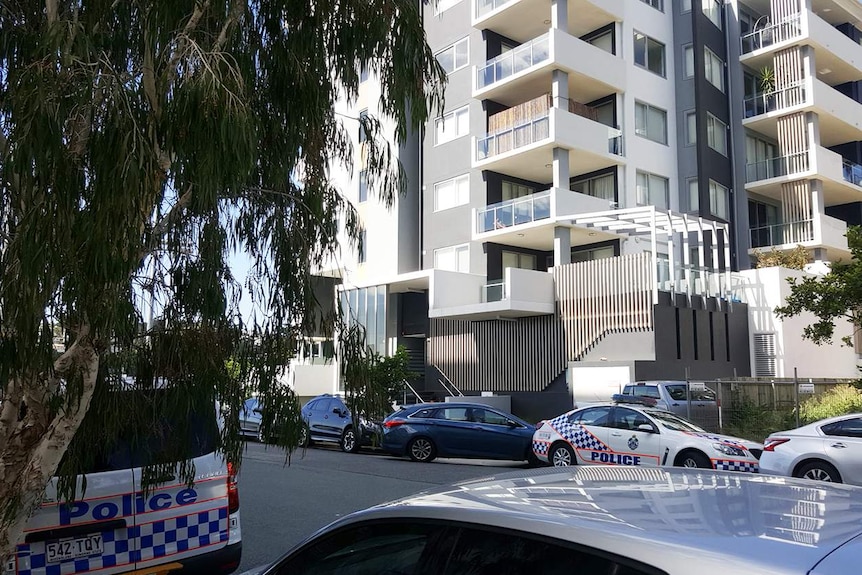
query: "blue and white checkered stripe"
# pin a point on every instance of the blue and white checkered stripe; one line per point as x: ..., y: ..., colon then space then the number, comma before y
x: 734, y: 465
x: 541, y: 447
x: 177, y: 534
x: 577, y: 435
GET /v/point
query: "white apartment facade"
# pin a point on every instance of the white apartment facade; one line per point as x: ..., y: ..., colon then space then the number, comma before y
x: 583, y: 201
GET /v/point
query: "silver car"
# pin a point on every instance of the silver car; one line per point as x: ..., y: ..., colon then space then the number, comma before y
x: 827, y: 450
x: 598, y: 520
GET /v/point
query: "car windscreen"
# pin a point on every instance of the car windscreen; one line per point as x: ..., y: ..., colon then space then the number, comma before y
x: 148, y: 428
x: 672, y: 422
x: 677, y: 392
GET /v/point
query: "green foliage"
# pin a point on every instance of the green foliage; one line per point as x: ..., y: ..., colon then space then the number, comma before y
x: 838, y: 400
x: 795, y: 259
x: 833, y: 297
x: 767, y: 79
x: 747, y: 419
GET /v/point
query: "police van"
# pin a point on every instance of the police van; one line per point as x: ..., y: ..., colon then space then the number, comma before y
x: 123, y: 524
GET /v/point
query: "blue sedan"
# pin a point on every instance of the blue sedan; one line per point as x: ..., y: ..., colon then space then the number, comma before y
x: 471, y: 430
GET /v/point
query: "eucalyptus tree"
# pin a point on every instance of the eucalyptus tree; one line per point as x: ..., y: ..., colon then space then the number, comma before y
x: 142, y: 142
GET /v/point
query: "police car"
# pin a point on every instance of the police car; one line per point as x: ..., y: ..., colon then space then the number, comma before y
x: 630, y: 431
x: 118, y: 526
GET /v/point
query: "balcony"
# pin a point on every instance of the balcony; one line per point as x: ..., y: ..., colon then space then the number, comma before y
x: 526, y: 71
x: 529, y: 222
x: 839, y: 116
x: 821, y: 231
x: 525, y: 149
x: 778, y: 167
x: 521, y: 20
x: 839, y: 59
x: 521, y: 293
x: 841, y: 178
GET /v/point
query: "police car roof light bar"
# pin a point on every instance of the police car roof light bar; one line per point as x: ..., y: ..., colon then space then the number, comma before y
x: 635, y: 399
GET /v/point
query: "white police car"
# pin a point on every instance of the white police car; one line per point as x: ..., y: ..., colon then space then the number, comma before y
x: 119, y: 527
x: 631, y: 432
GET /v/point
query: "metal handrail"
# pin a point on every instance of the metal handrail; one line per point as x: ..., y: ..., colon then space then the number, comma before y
x: 413, y: 391
x: 776, y: 167
x: 495, y: 291
x: 449, y: 381
x: 514, y: 61
x: 764, y: 102
x: 787, y: 29
x: 514, y: 212
x: 518, y: 136
x: 852, y: 172
x: 781, y: 234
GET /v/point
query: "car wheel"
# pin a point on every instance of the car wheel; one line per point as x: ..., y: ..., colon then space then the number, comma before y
x: 422, y: 449
x: 694, y: 459
x: 349, y: 441
x: 561, y: 455
x: 819, y: 471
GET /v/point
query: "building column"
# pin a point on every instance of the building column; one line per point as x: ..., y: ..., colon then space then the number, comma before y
x: 561, y: 168
x: 560, y: 90
x: 562, y: 246
x: 560, y: 15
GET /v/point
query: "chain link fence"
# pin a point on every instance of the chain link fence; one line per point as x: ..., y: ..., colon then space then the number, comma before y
x: 752, y: 408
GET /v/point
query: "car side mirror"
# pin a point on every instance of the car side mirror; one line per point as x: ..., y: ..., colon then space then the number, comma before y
x: 646, y: 427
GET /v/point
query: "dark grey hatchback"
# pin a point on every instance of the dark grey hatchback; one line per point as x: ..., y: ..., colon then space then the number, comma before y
x: 469, y: 430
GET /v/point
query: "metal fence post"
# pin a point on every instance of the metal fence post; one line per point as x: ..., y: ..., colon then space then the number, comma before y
x: 720, y: 407
x: 687, y: 395
x: 796, y: 394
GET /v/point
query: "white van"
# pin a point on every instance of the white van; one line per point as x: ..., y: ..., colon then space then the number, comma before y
x: 117, y: 526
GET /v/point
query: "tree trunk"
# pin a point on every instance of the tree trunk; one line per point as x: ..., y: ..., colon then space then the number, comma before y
x: 33, y: 445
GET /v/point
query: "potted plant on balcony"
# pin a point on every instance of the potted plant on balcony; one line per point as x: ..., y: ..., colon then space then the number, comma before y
x: 767, y: 88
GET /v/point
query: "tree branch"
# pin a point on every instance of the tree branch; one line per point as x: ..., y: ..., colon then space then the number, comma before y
x: 9, y: 412
x: 51, y: 11
x: 182, y: 38
x: 236, y: 9
x: 164, y: 224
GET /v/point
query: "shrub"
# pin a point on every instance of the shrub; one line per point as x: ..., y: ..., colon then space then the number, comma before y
x: 839, y: 400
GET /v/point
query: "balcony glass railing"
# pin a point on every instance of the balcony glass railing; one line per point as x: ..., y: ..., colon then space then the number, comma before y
x: 776, y: 167
x: 521, y: 135
x: 852, y: 172
x: 494, y: 292
x: 781, y: 234
x: 695, y: 280
x: 766, y: 102
x: 765, y: 37
x: 485, y: 6
x: 514, y: 61
x: 514, y: 212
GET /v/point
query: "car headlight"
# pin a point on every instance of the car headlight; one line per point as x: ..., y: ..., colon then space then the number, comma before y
x: 728, y: 449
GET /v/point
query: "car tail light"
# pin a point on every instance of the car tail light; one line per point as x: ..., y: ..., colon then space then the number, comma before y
x: 393, y: 423
x: 540, y: 424
x: 232, y: 489
x: 771, y: 443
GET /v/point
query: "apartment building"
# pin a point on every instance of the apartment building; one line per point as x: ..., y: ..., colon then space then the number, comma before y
x: 587, y: 207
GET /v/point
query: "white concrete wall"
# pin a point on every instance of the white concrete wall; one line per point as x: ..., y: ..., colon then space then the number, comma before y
x: 766, y: 289
x: 453, y: 289
x: 597, y: 383
x: 314, y: 380
x: 529, y: 286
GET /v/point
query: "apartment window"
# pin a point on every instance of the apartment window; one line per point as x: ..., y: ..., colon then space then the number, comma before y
x: 363, y: 246
x: 657, y: 4
x: 443, y: 5
x: 363, y: 74
x: 651, y: 122
x: 690, y: 128
x: 764, y: 355
x: 716, y: 134
x: 649, y: 54
x: 598, y: 187
x: 712, y: 9
x: 453, y: 258
x: 593, y: 254
x: 685, y: 6
x: 517, y: 260
x: 718, y: 200
x: 688, y: 60
x: 693, y: 195
x: 512, y: 191
x: 363, y: 186
x: 455, y: 56
x: 603, y: 40
x: 761, y: 214
x: 714, y: 69
x: 652, y: 190
x: 451, y: 193
x: 363, y: 121
x: 452, y: 125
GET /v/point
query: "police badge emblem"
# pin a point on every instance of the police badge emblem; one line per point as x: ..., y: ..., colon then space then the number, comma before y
x: 633, y: 442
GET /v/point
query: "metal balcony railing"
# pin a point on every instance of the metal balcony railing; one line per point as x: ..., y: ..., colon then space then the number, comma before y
x: 776, y: 167
x: 788, y: 29
x: 494, y: 292
x: 514, y: 212
x: 781, y: 234
x: 852, y: 172
x: 514, y: 61
x: 764, y: 102
x: 518, y: 136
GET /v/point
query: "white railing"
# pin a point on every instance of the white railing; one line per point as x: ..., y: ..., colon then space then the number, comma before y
x: 495, y: 291
x: 788, y: 29
x: 518, y: 136
x: 514, y: 61
x: 514, y: 212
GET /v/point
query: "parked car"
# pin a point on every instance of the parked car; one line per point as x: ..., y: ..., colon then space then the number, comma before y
x: 250, y: 419
x: 827, y: 450
x: 700, y: 405
x: 429, y: 430
x: 119, y: 525
x: 623, y: 520
x: 631, y: 432
x: 328, y: 420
